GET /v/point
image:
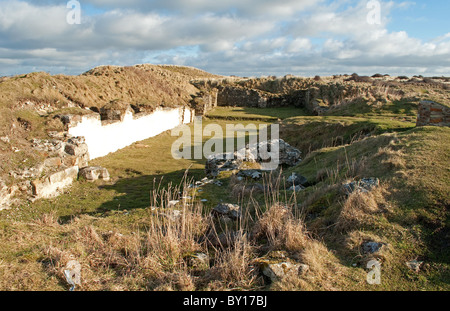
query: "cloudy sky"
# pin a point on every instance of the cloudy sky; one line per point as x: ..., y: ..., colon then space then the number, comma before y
x: 240, y: 37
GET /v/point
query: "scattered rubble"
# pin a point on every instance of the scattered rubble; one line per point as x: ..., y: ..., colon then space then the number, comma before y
x: 205, y: 181
x: 257, y: 153
x: 364, y: 185
x: 253, y: 174
x: 65, y: 155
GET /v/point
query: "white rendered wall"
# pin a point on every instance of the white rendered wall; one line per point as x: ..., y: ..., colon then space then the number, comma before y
x: 103, y: 140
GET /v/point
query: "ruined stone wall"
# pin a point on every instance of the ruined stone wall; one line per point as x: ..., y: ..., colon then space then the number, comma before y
x: 251, y: 94
x: 431, y: 113
x: 244, y: 97
x: 106, y: 136
x: 241, y: 97
x: 86, y: 137
x: 205, y: 101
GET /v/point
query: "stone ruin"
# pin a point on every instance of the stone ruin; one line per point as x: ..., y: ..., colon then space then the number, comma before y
x: 237, y: 161
x: 433, y: 114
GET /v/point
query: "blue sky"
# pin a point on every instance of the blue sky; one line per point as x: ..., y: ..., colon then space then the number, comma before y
x: 233, y: 37
x: 424, y: 19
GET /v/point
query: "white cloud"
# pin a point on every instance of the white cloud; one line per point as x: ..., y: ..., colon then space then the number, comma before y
x: 228, y: 37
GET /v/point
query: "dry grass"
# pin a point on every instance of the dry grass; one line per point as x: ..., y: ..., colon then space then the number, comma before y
x: 158, y: 256
x: 281, y: 228
x: 360, y: 208
x: 325, y: 272
x: 233, y: 268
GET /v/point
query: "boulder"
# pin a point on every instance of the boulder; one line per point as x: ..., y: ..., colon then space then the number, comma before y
x: 232, y: 211
x: 371, y: 247
x: 93, y: 173
x: 297, y: 180
x: 279, y: 271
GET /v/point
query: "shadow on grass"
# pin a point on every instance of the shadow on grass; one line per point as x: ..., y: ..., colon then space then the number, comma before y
x: 135, y: 192
x: 258, y: 114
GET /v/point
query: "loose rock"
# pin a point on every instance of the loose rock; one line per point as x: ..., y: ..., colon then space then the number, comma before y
x: 254, y: 174
x: 93, y: 173
x: 371, y: 247
x: 364, y: 185
x: 415, y: 265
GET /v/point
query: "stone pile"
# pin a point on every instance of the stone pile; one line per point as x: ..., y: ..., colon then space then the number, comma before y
x: 363, y: 185
x: 255, y: 153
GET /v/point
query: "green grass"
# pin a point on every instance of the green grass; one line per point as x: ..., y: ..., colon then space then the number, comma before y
x: 135, y: 172
x: 254, y: 114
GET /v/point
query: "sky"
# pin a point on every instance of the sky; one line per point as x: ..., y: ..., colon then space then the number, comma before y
x: 235, y: 37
